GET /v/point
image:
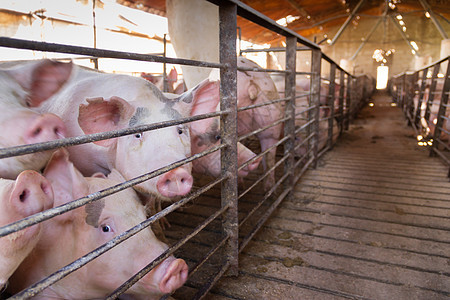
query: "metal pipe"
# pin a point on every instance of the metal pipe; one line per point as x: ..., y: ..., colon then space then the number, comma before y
x: 228, y: 128
x: 331, y: 99
x: 396, y: 25
x: 353, y: 13
x: 433, y: 18
x: 316, y: 59
x: 367, y: 38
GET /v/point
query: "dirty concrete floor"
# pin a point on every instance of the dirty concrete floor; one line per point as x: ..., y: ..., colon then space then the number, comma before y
x: 372, y: 221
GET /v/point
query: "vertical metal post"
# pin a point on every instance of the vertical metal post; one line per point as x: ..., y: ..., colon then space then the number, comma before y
x: 165, y: 86
x: 423, y: 84
x: 316, y: 60
x: 341, y: 99
x: 431, y: 91
x: 442, y: 110
x: 228, y: 127
x: 331, y: 99
x: 347, y: 101
x: 289, y: 125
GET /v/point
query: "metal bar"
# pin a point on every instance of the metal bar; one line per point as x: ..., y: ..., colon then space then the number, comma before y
x: 366, y: 39
x: 442, y: 109
x: 263, y: 219
x: 331, y: 99
x: 433, y: 18
x: 396, y: 25
x: 75, y: 265
x: 61, y: 48
x: 45, y: 215
x: 289, y: 125
x: 135, y: 278
x: 431, y: 92
x: 341, y: 99
x: 347, y: 102
x: 31, y: 148
x: 316, y: 59
x: 421, y: 94
x: 228, y: 128
x: 349, y: 19
x: 274, y: 49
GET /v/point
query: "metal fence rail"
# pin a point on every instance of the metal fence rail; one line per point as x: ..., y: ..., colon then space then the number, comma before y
x: 304, y: 128
x: 423, y: 96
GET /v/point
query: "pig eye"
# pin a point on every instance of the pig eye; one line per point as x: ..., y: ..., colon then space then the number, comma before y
x: 106, y: 228
x: 217, y: 137
x: 180, y: 131
x: 138, y: 135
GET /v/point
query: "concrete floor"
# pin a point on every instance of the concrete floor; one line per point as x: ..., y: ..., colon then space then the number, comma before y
x: 371, y: 222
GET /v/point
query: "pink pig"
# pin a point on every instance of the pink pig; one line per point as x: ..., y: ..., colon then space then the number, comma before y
x: 30, y: 193
x: 75, y: 233
x: 19, y: 125
x: 91, y: 102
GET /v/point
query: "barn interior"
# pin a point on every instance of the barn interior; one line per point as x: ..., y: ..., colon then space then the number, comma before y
x: 362, y: 213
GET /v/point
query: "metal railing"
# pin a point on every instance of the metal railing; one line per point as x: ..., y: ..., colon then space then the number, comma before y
x: 423, y: 96
x: 306, y: 127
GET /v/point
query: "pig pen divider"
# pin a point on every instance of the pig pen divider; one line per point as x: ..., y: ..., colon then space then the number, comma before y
x: 423, y: 96
x: 238, y: 228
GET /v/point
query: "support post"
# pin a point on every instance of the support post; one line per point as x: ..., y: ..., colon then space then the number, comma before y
x: 228, y: 128
x: 423, y: 84
x: 331, y: 99
x: 348, y: 102
x: 289, y: 125
x: 431, y: 92
x: 316, y: 60
x: 442, y: 110
x: 341, y: 100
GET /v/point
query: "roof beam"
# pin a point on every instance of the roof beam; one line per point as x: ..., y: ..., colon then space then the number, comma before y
x: 367, y: 38
x: 404, y: 35
x: 300, y: 9
x: 427, y: 8
x: 355, y: 10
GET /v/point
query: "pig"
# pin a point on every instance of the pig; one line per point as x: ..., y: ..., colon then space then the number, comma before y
x: 19, y: 125
x: 90, y: 102
x: 69, y: 236
x: 206, y: 133
x: 30, y: 193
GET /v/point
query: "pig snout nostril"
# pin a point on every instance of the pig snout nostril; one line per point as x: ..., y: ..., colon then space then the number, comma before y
x: 37, y: 131
x: 23, y: 196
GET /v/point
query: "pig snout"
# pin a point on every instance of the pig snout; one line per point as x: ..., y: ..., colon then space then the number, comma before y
x: 250, y: 167
x: 177, y: 182
x: 32, y: 193
x: 174, y: 277
x: 47, y: 127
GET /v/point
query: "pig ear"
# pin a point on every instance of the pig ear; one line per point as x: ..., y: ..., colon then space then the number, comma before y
x: 205, y: 97
x: 101, y: 115
x: 172, y: 77
x: 67, y: 182
x: 42, y: 79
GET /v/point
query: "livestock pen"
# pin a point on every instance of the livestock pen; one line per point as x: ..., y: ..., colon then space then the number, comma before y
x: 331, y: 210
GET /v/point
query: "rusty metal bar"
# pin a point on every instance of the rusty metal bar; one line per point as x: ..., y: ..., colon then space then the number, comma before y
x: 442, y: 109
x: 75, y: 265
x: 349, y: 19
x: 433, y: 18
x: 264, y: 218
x: 341, y: 98
x: 126, y: 285
x: 331, y: 99
x: 78, y: 50
x: 228, y: 128
x: 45, y: 215
x: 431, y: 92
x: 347, y: 103
x: 31, y: 148
x: 421, y: 94
x: 316, y: 59
x: 289, y: 125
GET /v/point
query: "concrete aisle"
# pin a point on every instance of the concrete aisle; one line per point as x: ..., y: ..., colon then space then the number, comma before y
x: 371, y: 222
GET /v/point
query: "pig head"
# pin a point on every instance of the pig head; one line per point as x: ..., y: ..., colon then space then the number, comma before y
x: 206, y: 134
x: 30, y: 193
x: 19, y: 125
x: 75, y: 233
x: 91, y: 102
